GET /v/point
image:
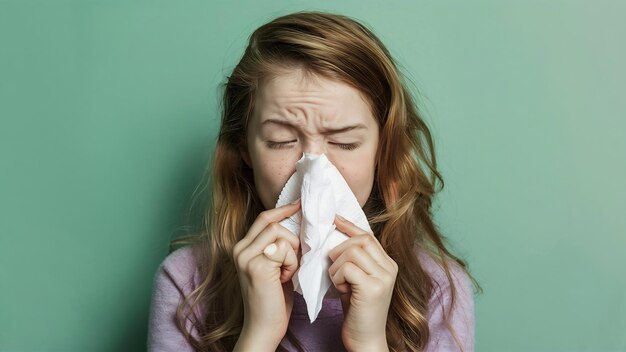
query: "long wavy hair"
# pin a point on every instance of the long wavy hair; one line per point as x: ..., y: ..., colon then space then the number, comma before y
x: 398, y: 209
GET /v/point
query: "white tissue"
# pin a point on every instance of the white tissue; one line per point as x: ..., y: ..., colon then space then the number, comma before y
x: 324, y: 193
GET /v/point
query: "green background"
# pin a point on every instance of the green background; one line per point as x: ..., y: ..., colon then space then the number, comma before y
x: 109, y: 112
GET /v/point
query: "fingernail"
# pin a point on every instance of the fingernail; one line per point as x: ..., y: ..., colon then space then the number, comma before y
x: 270, y: 249
x: 340, y: 217
x: 296, y: 201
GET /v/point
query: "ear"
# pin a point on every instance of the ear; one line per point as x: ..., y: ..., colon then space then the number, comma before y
x: 243, y: 150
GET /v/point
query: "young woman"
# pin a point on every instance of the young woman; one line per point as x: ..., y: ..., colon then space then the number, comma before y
x: 320, y: 83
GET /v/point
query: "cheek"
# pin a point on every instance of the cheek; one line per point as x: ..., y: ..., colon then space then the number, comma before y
x: 271, y: 174
x: 358, y: 172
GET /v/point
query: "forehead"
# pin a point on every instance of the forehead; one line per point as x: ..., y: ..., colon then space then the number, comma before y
x: 296, y: 90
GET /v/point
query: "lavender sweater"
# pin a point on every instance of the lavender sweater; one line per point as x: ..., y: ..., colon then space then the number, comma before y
x: 177, y: 275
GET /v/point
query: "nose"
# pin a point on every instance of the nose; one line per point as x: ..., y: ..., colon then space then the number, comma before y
x: 317, y: 146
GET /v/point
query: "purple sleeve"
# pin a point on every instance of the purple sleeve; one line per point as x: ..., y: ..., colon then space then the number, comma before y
x: 462, y: 316
x: 171, y: 280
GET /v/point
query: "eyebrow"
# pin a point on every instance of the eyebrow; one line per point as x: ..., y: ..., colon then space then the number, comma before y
x: 326, y: 131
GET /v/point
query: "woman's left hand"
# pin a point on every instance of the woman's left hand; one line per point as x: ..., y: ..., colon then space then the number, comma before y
x: 365, y: 276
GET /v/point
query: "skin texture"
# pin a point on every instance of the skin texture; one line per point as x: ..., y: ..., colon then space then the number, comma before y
x: 310, y: 105
x: 305, y: 108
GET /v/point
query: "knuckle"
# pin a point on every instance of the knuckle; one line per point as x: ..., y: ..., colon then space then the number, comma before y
x: 236, y: 249
x: 254, y: 267
x: 353, y: 251
x: 240, y: 262
x: 368, y: 239
x: 395, y: 266
x: 265, y: 216
x: 274, y: 227
x: 289, y: 246
x: 282, y: 243
x: 377, y: 288
x: 348, y: 267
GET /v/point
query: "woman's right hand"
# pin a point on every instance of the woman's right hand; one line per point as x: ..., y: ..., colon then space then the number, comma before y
x: 265, y: 274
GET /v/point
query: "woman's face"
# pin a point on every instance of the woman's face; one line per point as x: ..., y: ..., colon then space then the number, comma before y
x: 295, y: 114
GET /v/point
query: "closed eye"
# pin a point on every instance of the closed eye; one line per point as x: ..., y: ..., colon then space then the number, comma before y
x: 347, y: 146
x: 280, y: 145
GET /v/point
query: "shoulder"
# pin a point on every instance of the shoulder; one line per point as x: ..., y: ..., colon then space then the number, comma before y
x: 178, y: 268
x: 175, y: 278
x: 459, y: 313
x: 180, y: 260
x: 437, y: 272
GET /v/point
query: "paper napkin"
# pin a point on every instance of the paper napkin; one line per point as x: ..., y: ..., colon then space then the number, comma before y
x: 324, y: 193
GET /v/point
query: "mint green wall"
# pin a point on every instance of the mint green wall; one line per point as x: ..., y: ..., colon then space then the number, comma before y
x: 108, y: 112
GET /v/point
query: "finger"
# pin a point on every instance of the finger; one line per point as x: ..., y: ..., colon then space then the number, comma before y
x: 271, y: 234
x: 367, y: 242
x: 366, y: 239
x: 375, y: 251
x: 260, y: 269
x: 349, y: 227
x: 277, y: 251
x: 348, y: 277
x: 270, y: 252
x: 267, y: 217
x: 360, y: 258
x: 282, y: 253
x: 290, y: 264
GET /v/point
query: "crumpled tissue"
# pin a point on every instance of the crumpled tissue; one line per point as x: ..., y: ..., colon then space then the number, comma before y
x: 324, y: 193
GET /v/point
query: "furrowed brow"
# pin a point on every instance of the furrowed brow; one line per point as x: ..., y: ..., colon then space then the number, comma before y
x: 327, y: 131
x: 278, y: 122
